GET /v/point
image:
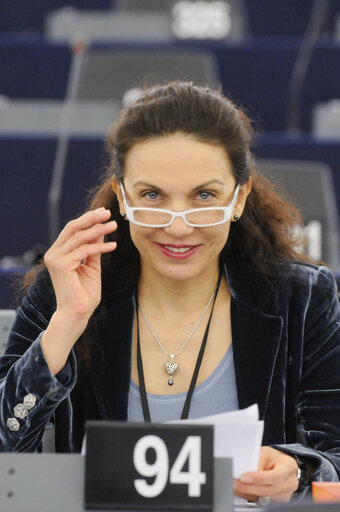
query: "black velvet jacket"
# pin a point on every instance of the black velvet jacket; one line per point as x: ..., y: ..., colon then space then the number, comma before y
x: 286, y: 344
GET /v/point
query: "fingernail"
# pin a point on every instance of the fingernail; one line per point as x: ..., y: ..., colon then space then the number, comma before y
x: 100, y: 209
x: 246, y: 480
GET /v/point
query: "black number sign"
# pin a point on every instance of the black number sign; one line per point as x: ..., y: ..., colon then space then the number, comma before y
x: 149, y: 466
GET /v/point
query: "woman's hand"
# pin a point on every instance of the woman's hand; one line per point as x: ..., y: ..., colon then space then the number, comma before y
x: 276, y: 477
x: 73, y: 262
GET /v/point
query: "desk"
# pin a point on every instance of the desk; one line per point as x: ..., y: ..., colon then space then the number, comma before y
x: 55, y: 483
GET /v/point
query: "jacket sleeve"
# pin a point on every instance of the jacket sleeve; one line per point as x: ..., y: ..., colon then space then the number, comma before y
x: 318, y: 403
x: 29, y: 393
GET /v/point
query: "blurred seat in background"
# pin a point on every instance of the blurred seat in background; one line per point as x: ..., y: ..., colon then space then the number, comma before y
x: 152, y: 21
x: 69, y: 24
x: 103, y: 79
x: 108, y: 75
x: 89, y: 118
x: 310, y: 186
x: 7, y: 317
x: 326, y: 119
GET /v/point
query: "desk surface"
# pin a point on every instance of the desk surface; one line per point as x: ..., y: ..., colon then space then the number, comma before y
x: 55, y: 483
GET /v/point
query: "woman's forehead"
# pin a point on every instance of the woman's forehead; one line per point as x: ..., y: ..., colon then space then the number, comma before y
x: 178, y: 157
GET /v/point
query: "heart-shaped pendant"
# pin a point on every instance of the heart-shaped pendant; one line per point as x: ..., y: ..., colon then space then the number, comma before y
x: 171, y: 367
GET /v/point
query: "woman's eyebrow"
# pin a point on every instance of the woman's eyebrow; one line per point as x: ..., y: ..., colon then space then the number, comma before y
x: 207, y: 183
x: 198, y: 187
x: 144, y: 184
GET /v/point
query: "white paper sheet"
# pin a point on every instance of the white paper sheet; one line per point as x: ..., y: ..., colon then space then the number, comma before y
x: 237, y: 434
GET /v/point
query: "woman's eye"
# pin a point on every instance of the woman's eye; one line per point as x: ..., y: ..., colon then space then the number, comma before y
x: 151, y: 194
x: 204, y: 194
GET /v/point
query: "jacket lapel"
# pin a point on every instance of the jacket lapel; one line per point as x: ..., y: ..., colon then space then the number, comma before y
x: 256, y: 339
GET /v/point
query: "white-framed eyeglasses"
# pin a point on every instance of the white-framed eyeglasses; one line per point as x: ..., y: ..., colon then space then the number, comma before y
x: 197, y: 218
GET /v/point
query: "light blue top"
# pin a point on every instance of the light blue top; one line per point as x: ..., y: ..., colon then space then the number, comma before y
x: 215, y: 395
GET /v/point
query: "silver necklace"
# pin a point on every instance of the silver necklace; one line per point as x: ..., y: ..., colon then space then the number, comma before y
x: 172, y: 366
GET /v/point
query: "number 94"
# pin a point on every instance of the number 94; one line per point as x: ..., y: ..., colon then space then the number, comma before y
x: 190, y: 451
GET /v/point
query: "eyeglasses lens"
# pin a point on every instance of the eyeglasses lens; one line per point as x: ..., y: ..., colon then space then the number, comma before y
x: 205, y: 217
x: 151, y: 218
x: 154, y: 218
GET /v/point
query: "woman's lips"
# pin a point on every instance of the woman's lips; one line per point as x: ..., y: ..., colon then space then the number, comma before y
x: 178, y: 252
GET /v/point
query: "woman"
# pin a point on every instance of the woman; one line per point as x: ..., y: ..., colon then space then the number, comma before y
x: 182, y: 294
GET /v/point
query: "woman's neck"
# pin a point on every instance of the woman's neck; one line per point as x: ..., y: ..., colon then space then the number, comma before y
x: 167, y: 295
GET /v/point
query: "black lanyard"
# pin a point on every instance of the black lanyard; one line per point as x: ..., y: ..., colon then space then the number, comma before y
x: 186, y: 407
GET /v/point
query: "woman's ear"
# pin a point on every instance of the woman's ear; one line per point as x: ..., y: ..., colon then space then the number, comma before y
x: 244, y: 191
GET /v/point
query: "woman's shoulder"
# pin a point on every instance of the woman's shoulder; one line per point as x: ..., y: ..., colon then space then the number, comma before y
x: 306, y: 283
x: 300, y: 286
x: 303, y: 273
x: 291, y: 282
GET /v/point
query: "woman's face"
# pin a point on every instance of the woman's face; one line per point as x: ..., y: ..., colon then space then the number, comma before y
x: 179, y: 173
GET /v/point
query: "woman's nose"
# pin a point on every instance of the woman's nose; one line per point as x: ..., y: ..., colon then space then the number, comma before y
x: 179, y: 228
